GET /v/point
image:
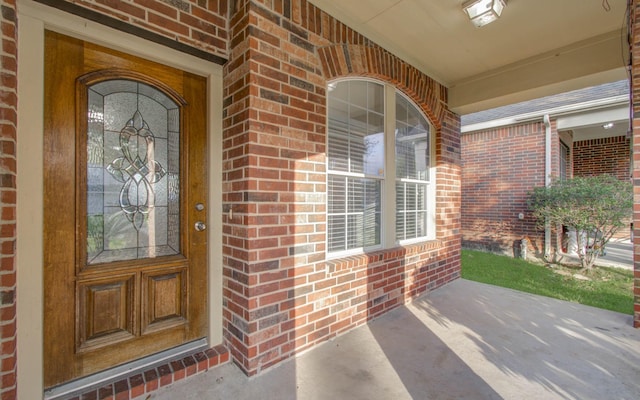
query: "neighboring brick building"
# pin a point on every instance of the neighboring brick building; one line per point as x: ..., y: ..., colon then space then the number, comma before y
x: 274, y: 288
x: 504, y: 158
x: 499, y: 167
x: 610, y: 155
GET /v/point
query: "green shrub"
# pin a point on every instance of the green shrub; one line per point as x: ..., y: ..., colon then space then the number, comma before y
x: 596, y: 207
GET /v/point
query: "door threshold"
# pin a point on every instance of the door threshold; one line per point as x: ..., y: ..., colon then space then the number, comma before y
x: 98, y: 380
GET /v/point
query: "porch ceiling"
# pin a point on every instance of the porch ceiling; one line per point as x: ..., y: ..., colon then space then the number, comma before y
x: 537, y: 48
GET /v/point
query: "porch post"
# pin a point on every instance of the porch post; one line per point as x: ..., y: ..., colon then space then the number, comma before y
x: 635, y: 101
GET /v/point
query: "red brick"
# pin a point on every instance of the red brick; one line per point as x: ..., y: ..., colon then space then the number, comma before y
x: 158, y: 6
x: 166, y: 23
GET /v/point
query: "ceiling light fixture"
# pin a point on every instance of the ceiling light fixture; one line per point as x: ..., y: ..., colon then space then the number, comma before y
x: 608, y: 125
x: 483, y: 12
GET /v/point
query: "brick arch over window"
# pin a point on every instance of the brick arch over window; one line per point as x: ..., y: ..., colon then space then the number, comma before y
x: 344, y: 60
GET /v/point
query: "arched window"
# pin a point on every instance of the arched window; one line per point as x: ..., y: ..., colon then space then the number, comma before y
x: 381, y: 190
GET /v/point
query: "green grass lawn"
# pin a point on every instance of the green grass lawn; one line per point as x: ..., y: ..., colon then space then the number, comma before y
x: 608, y: 288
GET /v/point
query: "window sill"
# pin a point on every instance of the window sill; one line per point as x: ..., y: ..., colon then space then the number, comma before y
x: 364, y: 257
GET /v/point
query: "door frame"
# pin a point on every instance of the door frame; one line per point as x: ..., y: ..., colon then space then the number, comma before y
x: 34, y: 20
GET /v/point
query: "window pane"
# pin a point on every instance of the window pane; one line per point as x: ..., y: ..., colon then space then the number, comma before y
x: 410, y: 201
x: 412, y: 164
x: 412, y: 141
x: 375, y: 96
x: 337, y: 194
x: 338, y: 141
x: 410, y: 225
x: 374, y: 145
x: 357, y: 93
x: 372, y: 212
x: 421, y: 197
x: 356, y: 196
x: 400, y: 211
x: 356, y: 164
x: 411, y: 210
x: 372, y: 230
x: 421, y: 224
x: 356, y: 126
x: 374, y: 142
x: 375, y: 123
x: 337, y: 227
x: 356, y: 222
x: 355, y: 231
x: 357, y: 146
x: 400, y: 226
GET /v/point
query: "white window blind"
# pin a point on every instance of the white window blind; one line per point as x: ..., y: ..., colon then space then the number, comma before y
x: 356, y: 159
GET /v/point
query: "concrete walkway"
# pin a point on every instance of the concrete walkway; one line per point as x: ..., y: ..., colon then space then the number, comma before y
x: 619, y: 254
x: 466, y: 340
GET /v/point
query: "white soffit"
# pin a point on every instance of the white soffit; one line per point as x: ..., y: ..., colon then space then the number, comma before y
x: 536, y: 48
x: 595, y: 118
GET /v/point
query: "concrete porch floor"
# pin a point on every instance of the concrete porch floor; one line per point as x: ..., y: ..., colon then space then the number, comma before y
x: 466, y: 340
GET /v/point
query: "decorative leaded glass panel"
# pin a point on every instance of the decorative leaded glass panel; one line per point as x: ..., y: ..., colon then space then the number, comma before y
x: 133, y: 172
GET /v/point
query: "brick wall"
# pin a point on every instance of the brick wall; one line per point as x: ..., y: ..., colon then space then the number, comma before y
x: 281, y: 295
x: 602, y: 156
x: 634, y: 18
x: 201, y: 24
x: 8, y: 119
x: 500, y: 167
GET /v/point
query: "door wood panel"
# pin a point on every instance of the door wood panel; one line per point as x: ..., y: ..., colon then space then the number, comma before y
x: 99, y: 314
x: 163, y: 299
x: 106, y: 311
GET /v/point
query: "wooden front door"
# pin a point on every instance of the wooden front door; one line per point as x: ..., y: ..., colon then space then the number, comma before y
x: 125, y: 186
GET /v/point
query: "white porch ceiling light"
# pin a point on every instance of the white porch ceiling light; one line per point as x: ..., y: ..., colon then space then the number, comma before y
x: 483, y: 12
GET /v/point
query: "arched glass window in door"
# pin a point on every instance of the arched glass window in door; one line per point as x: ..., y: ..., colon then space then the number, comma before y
x: 133, y: 172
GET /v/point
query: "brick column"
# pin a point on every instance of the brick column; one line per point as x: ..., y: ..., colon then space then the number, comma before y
x: 281, y: 296
x: 8, y: 119
x: 274, y: 181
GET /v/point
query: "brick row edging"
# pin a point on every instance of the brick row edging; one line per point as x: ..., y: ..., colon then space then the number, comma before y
x: 149, y: 380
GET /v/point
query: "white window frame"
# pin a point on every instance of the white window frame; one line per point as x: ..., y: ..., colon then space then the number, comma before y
x: 564, y: 161
x: 388, y: 195
x: 430, y: 183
